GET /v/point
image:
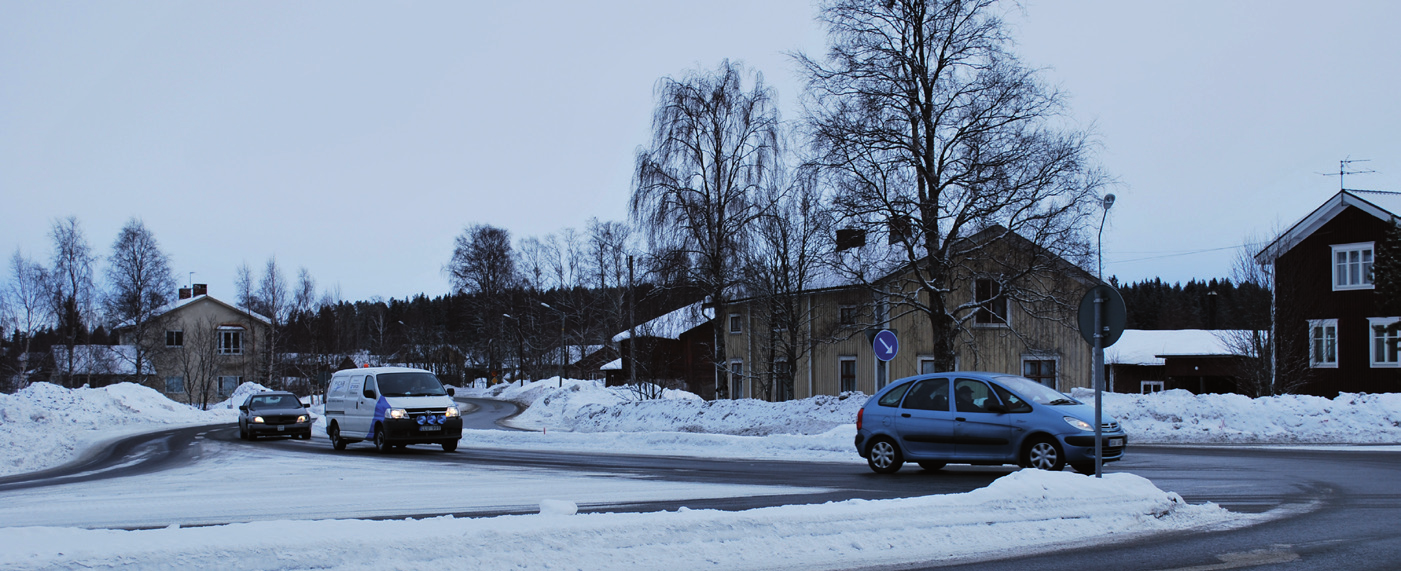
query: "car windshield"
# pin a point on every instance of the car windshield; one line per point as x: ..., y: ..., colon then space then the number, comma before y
x: 409, y: 385
x: 1034, y: 391
x: 274, y: 401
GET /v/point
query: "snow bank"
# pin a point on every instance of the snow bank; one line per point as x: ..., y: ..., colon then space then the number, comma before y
x: 1023, y: 512
x: 588, y: 406
x: 45, y: 425
x: 1180, y: 417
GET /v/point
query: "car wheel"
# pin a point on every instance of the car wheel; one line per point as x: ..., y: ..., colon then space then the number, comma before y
x: 449, y: 445
x: 884, y: 456
x: 1043, y: 454
x: 1087, y: 468
x: 242, y: 432
x: 334, y: 433
x: 931, y: 466
x: 382, y: 444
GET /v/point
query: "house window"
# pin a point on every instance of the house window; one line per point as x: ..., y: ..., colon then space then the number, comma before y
x: 175, y: 338
x: 1150, y: 387
x: 1386, y: 334
x: 736, y: 323
x: 227, y: 385
x: 175, y: 385
x: 230, y: 341
x: 1040, y: 369
x: 846, y: 315
x: 783, y: 380
x: 1323, y: 343
x: 1352, y: 266
x: 926, y: 366
x: 847, y: 373
x: 737, y: 379
x: 992, y: 306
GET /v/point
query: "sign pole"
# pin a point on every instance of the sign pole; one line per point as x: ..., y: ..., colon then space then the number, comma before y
x: 1099, y: 384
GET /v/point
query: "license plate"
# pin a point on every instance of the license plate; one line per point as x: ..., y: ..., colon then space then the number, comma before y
x: 1116, y: 442
x: 429, y: 428
x: 280, y: 427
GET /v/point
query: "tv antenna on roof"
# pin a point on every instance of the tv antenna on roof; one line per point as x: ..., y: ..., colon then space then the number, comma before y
x: 1344, y: 167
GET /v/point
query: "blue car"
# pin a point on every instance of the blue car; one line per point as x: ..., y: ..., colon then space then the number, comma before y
x: 981, y: 419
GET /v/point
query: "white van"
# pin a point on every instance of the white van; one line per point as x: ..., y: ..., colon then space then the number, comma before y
x: 392, y: 407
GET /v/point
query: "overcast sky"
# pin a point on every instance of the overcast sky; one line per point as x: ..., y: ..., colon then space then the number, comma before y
x: 358, y: 139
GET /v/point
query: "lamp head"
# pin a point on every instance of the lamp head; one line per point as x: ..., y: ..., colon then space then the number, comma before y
x: 1108, y: 201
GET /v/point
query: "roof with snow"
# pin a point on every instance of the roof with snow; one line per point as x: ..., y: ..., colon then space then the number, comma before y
x: 614, y: 365
x: 179, y: 304
x: 1379, y: 203
x: 672, y: 325
x: 1145, y: 347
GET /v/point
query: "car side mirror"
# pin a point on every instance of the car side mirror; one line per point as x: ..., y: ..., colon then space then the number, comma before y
x: 452, y: 392
x: 306, y: 405
x: 243, y: 407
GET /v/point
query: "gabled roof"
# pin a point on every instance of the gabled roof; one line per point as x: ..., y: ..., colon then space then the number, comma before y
x: 672, y: 325
x: 1381, y: 204
x: 191, y: 301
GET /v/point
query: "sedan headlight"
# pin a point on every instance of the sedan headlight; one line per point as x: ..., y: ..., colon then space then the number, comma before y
x: 1080, y: 424
x: 452, y: 411
x: 301, y: 419
x: 257, y: 420
x: 398, y: 413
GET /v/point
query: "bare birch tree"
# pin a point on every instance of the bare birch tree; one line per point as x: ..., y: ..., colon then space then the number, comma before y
x: 72, y: 292
x: 140, y: 283
x: 27, y: 303
x: 932, y: 131
x: 714, y: 143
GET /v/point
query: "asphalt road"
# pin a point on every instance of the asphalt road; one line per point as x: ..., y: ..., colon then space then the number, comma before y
x: 1342, y: 508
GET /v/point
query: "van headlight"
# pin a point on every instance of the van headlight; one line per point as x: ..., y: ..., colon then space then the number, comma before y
x: 452, y: 411
x: 1080, y: 424
x: 398, y: 413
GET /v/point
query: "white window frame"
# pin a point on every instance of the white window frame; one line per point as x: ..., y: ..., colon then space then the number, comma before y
x: 855, y: 378
x: 177, y: 335
x: 1366, y: 254
x: 1319, y: 332
x: 736, y: 324
x: 229, y: 348
x: 179, y: 385
x: 731, y: 379
x: 921, y: 361
x: 1376, y: 340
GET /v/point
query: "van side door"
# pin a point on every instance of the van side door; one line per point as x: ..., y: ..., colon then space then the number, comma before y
x: 358, y: 408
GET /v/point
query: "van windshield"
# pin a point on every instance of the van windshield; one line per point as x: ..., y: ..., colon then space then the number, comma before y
x: 409, y: 385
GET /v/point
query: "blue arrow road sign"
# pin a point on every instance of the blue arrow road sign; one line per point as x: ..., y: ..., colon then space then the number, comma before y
x: 885, y: 345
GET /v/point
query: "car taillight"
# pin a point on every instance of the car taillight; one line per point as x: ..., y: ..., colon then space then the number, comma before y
x: 859, y: 415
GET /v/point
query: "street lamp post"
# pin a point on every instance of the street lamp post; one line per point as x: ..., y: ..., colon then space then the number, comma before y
x: 1106, y: 203
x: 563, y: 355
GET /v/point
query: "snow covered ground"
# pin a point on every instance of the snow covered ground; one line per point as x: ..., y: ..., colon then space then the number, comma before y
x: 44, y: 425
x: 1023, y: 512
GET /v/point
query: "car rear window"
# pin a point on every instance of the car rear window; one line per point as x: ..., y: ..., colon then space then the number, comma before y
x: 892, y: 398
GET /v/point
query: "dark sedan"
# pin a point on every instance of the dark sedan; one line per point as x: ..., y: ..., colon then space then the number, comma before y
x: 273, y: 413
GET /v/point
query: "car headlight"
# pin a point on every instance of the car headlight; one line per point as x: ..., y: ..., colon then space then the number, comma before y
x: 452, y: 411
x: 301, y: 419
x: 398, y: 413
x: 257, y: 420
x: 1080, y: 424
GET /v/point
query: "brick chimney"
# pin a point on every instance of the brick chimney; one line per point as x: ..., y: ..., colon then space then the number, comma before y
x: 200, y: 289
x: 184, y: 293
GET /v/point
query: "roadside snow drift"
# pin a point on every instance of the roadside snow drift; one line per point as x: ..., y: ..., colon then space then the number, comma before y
x: 1180, y: 417
x: 45, y: 425
x: 1023, y: 512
